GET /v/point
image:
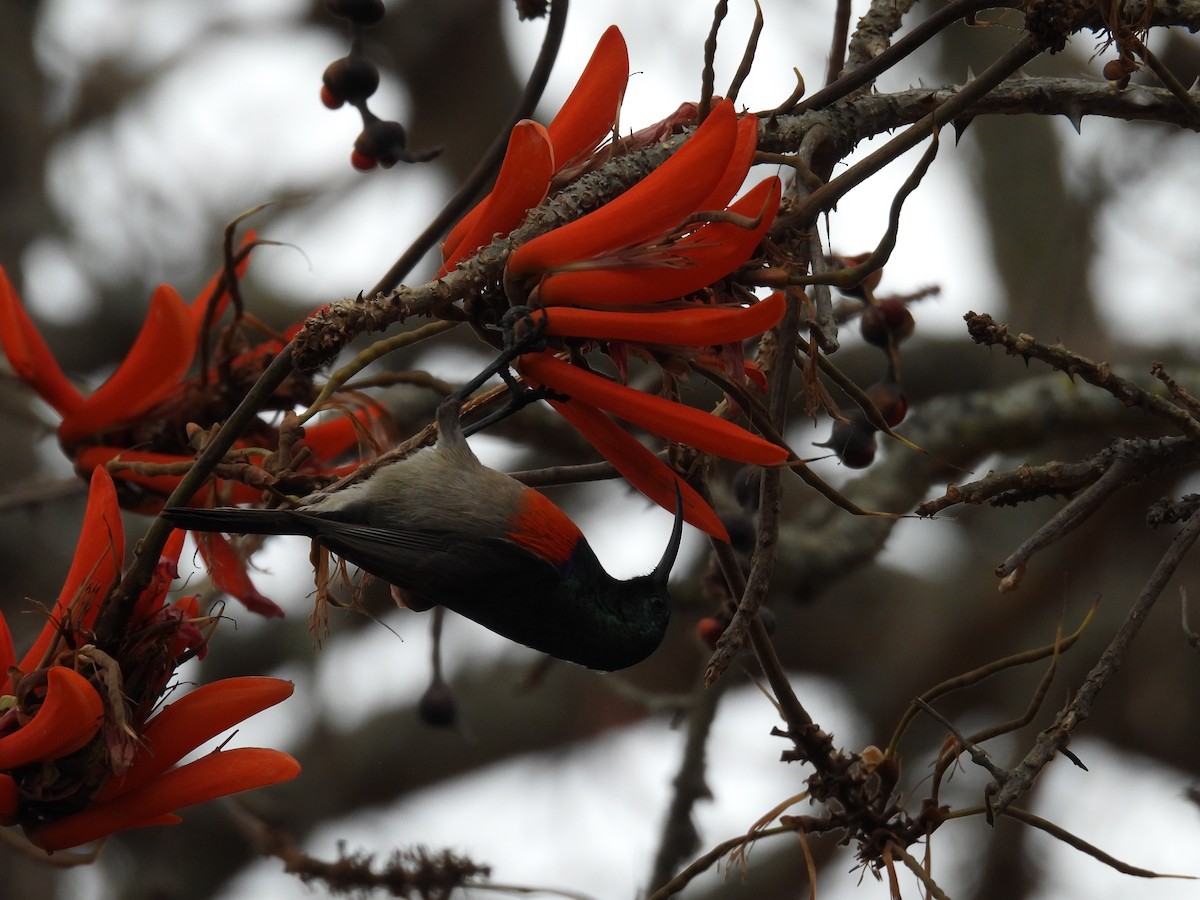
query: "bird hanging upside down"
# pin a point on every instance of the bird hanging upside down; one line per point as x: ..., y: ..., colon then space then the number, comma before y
x: 444, y: 529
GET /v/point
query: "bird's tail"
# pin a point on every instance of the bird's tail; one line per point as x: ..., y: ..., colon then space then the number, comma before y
x: 232, y: 520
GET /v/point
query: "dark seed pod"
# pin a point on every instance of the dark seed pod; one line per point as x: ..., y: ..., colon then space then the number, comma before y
x: 437, y: 707
x: 746, y: 485
x: 865, y: 288
x: 385, y: 142
x: 741, y: 532
x: 853, y: 441
x: 361, y: 12
x: 890, y: 400
x: 351, y: 79
x: 887, y: 321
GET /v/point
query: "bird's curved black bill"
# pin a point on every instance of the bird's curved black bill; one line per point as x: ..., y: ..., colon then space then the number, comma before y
x: 662, y: 572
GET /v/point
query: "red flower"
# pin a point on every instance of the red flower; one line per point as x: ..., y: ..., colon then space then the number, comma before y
x: 58, y: 703
x: 536, y: 154
x: 662, y: 242
x: 136, y: 423
x: 151, y: 789
x: 652, y: 243
x: 650, y: 252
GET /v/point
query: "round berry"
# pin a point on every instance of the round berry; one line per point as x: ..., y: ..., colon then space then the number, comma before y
x: 1114, y: 70
x: 362, y: 162
x: 331, y: 100
x: 709, y: 630
x: 351, y: 79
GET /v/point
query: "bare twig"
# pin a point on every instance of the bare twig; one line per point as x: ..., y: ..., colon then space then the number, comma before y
x: 743, y: 69
x: 1144, y: 455
x: 1066, y: 519
x: 975, y: 676
x: 708, y: 76
x: 985, y: 330
x: 680, y: 838
x: 1004, y: 791
x: 1083, y: 846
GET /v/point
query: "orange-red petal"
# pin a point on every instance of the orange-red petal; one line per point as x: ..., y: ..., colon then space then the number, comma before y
x: 70, y: 715
x: 329, y: 439
x: 228, y: 572
x: 639, y: 466
x: 590, y: 111
x: 657, y: 415
x: 709, y: 253
x: 521, y: 185
x: 158, y: 359
x: 212, y: 776
x: 98, y: 557
x: 647, y: 210
x: 29, y: 355
x: 695, y: 326
x: 739, y: 164
x: 182, y: 726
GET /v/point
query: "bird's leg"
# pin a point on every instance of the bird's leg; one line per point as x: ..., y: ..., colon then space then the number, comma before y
x: 517, y: 341
x: 520, y: 396
x: 522, y: 334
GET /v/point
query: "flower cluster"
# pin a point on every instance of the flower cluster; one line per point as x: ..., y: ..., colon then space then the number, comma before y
x: 646, y: 273
x: 82, y: 754
x: 137, y: 422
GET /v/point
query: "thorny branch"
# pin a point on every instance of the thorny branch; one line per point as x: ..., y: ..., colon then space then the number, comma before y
x: 840, y: 131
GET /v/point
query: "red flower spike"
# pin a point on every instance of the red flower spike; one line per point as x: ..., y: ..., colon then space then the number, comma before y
x: 696, y: 326
x: 671, y: 420
x: 216, y: 775
x: 648, y: 209
x: 521, y: 185
x: 706, y: 255
x: 588, y: 114
x: 182, y: 726
x: 98, y: 557
x: 153, y: 368
x: 639, y: 466
x: 29, y: 355
x: 69, y: 717
x: 10, y: 800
